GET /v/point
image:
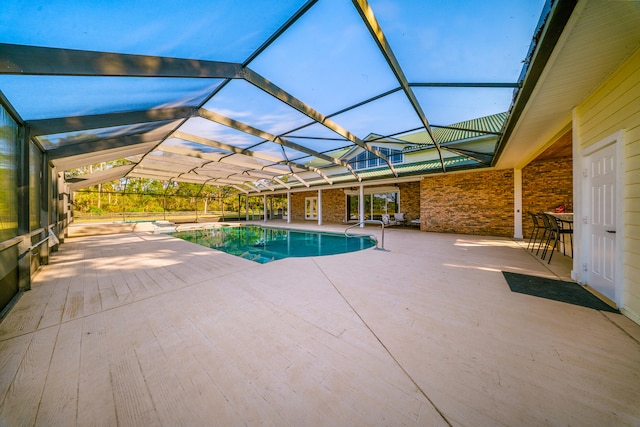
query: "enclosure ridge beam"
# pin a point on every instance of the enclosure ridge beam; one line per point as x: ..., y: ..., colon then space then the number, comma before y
x: 265, y: 185
x: 37, y: 60
x: 296, y: 176
x: 96, y: 121
x: 239, y: 188
x: 369, y: 19
x: 470, y: 155
x: 99, y: 145
x: 281, y: 182
x: 243, y: 127
x: 252, y: 186
x: 237, y: 150
x: 468, y: 84
x: 280, y: 94
x: 221, y: 145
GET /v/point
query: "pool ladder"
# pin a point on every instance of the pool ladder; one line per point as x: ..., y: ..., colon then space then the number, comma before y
x: 368, y: 221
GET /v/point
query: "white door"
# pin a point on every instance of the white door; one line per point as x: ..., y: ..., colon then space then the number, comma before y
x: 601, y: 219
x: 311, y: 208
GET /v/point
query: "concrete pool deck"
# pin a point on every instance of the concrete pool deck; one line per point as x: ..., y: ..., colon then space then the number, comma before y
x: 145, y: 329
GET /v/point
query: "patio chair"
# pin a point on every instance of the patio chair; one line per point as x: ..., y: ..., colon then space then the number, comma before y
x: 535, y: 231
x: 386, y: 220
x: 399, y: 218
x: 547, y: 234
x: 557, y: 234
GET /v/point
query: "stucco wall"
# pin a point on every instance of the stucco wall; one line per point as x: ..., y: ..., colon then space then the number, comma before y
x: 468, y: 203
x: 614, y: 106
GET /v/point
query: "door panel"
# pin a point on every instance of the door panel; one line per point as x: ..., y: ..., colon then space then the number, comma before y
x: 602, y: 183
x: 311, y: 208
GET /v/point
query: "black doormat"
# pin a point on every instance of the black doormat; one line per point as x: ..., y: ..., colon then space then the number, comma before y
x: 557, y: 290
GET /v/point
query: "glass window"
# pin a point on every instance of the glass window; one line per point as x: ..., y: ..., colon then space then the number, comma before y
x: 373, y: 160
x: 396, y: 156
x: 8, y: 176
x: 365, y: 160
x: 375, y: 205
x: 352, y: 208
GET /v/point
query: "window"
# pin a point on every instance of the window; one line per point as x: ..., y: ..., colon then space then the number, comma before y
x: 367, y: 160
x: 375, y: 205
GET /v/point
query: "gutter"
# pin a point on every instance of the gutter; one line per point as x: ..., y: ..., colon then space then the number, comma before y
x: 542, y: 45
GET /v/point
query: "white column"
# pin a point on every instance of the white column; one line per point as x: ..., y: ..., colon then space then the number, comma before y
x: 517, y: 203
x: 580, y: 191
x: 361, y: 206
x: 264, y: 207
x: 319, y: 208
x: 288, y: 208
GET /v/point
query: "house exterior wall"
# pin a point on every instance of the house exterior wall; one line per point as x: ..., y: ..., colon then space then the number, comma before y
x: 297, y: 204
x: 468, y: 203
x: 410, y: 199
x: 611, y: 107
x: 546, y: 184
x: 333, y: 205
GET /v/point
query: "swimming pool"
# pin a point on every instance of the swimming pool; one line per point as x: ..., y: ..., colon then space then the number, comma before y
x: 266, y: 244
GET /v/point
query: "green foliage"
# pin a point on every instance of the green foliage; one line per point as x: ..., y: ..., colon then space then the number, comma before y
x: 149, y: 195
x: 127, y: 195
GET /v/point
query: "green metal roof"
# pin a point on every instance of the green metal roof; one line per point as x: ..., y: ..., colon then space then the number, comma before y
x: 482, y: 126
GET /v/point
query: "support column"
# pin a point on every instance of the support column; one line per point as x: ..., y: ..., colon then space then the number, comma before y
x: 264, y: 208
x: 517, y: 203
x: 24, y: 226
x: 45, y: 207
x: 361, y: 206
x: 246, y: 207
x: 319, y: 207
x: 288, y: 208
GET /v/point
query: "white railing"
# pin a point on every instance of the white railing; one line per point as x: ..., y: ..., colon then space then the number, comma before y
x: 368, y: 221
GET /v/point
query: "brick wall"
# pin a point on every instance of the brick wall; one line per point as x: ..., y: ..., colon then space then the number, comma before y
x: 410, y: 199
x: 333, y: 205
x: 546, y: 184
x: 297, y: 204
x: 468, y: 203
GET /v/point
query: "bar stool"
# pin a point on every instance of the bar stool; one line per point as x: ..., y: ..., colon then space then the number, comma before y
x: 534, y: 231
x: 565, y: 228
x: 557, y: 234
x: 547, y: 233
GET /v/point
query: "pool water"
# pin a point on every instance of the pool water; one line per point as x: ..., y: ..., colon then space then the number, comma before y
x: 265, y: 244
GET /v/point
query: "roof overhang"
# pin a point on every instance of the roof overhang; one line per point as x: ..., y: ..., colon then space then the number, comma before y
x: 594, y: 39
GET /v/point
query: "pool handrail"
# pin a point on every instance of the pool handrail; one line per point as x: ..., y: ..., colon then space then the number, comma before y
x: 367, y: 221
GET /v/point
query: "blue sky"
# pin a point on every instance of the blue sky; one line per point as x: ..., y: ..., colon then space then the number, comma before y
x: 327, y: 59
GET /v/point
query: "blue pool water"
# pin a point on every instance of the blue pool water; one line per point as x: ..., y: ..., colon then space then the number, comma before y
x: 265, y: 244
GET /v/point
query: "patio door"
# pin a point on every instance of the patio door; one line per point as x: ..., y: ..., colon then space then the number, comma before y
x: 310, y: 208
x: 601, y: 221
